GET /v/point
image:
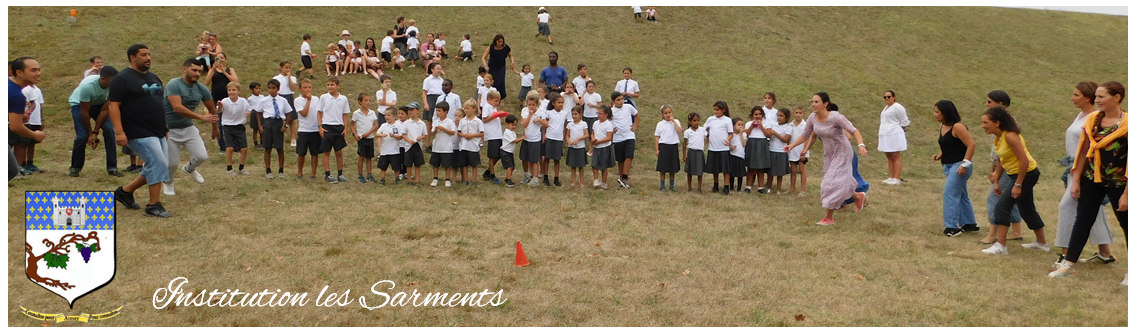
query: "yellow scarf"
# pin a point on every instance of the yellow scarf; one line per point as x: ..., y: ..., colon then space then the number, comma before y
x: 1096, y: 146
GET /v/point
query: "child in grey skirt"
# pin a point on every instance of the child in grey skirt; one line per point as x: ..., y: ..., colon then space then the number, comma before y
x: 602, y: 155
x: 694, y: 139
x: 577, y: 140
x: 667, y: 146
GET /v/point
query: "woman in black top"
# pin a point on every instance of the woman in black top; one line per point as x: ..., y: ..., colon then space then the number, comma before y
x: 494, y: 61
x: 400, y: 34
x: 218, y: 77
x: 956, y: 148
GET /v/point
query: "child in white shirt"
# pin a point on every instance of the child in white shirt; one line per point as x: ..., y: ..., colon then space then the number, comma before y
x: 467, y: 49
x: 667, y: 146
x: 388, y: 136
x: 442, y: 151
x: 554, y: 138
x: 797, y: 157
x: 492, y: 126
x: 577, y: 141
x: 255, y: 99
x: 737, y: 157
x: 779, y: 138
x: 469, y: 154
x: 412, y: 46
x: 440, y: 44
x: 533, y: 119
x: 509, y: 141
x: 526, y: 83
x: 308, y: 133
x: 602, y: 156
x: 416, y: 132
x: 234, y: 113
x: 694, y: 139
x: 365, y: 122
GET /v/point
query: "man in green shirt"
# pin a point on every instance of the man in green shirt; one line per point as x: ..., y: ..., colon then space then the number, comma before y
x: 88, y: 101
x: 183, y: 94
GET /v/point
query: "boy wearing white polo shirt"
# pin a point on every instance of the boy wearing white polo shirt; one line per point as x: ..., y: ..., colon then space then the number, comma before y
x: 333, y: 106
x: 234, y: 113
x: 442, y: 150
x: 364, y: 123
x: 624, y: 140
x: 492, y: 127
x: 308, y: 134
x: 275, y: 111
x: 388, y: 136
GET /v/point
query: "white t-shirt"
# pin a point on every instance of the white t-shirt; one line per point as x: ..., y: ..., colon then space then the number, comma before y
x: 308, y: 124
x: 717, y: 130
x: 594, y: 99
x: 556, y: 129
x: 305, y: 48
x: 255, y: 102
x: 771, y: 118
x: 285, y: 87
x: 432, y: 85
x: 636, y: 9
x: 493, y: 127
x: 443, y: 142
x: 389, y: 146
x: 414, y: 130
x: 756, y: 132
x: 797, y: 132
x: 385, y: 44
x: 543, y: 18
x: 451, y: 99
x: 481, y: 83
x: 575, y: 131
x: 507, y: 139
x: 600, y: 131
x: 412, y: 42
x: 349, y: 44
x: 1074, y: 134
x: 622, y: 119
x: 776, y: 144
x: 696, y: 139
x: 334, y: 108
x: 526, y: 79
x: 391, y: 97
x: 581, y: 85
x: 401, y: 129
x: 533, y: 129
x: 233, y: 112
x: 738, y: 150
x: 334, y: 56
x: 467, y: 46
x: 267, y: 110
x: 483, y: 93
x: 468, y: 126
x: 628, y: 85
x: 666, y: 131
x: 439, y: 43
x: 570, y: 101
x: 33, y: 93
x: 364, y: 121
x: 414, y: 29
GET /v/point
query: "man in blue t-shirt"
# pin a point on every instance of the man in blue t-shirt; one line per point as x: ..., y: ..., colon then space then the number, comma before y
x: 554, y: 75
x: 24, y: 71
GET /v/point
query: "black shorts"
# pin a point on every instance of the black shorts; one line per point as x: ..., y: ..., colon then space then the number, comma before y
x: 333, y: 138
x: 493, y: 149
x: 413, y: 156
x: 624, y: 150
x: 386, y: 55
x: 506, y: 160
x: 469, y: 158
x: 308, y: 143
x: 255, y: 120
x: 307, y: 61
x: 14, y: 138
x: 272, y: 138
x: 466, y: 55
x: 392, y: 161
x: 366, y: 148
x: 234, y: 136
x: 443, y: 160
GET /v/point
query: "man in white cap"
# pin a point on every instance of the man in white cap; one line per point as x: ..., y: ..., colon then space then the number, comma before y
x: 346, y: 41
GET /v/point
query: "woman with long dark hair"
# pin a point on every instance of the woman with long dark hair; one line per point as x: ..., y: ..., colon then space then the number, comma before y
x: 956, y: 148
x: 998, y: 98
x: 1100, y: 171
x: 494, y: 61
x: 838, y: 184
x: 1020, y: 166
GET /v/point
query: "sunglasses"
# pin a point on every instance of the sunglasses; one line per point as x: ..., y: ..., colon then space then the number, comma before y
x: 888, y: 97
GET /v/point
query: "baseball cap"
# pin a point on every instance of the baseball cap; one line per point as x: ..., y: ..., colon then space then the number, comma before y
x: 414, y: 105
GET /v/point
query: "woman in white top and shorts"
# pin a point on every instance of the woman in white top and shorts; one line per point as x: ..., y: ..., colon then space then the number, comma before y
x: 892, y: 140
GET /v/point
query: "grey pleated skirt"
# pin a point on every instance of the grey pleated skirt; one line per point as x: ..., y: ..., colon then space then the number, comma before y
x: 758, y: 153
x: 695, y: 162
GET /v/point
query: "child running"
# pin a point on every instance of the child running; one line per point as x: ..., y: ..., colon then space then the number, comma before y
x: 667, y: 146
x: 234, y: 112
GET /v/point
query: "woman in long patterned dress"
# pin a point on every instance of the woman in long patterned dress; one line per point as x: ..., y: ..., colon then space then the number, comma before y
x: 838, y: 183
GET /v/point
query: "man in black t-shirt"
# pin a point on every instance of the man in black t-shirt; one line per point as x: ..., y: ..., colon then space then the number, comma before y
x: 136, y: 107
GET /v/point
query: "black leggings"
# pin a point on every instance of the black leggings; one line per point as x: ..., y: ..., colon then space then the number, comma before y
x: 1025, y: 203
x: 1088, y: 206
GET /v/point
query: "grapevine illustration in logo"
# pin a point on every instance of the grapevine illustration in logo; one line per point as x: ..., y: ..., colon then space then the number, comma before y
x: 69, y: 241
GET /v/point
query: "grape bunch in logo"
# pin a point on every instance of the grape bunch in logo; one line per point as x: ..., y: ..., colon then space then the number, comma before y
x: 57, y: 256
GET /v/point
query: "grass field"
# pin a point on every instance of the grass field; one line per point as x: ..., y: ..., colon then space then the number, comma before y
x: 617, y: 257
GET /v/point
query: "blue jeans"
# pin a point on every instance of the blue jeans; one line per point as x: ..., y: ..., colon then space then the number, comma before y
x: 78, y: 148
x: 862, y: 185
x: 152, y: 151
x: 1005, y: 184
x: 957, y: 204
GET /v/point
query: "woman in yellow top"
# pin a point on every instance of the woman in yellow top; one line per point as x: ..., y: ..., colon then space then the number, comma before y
x: 1100, y: 170
x: 1020, y: 166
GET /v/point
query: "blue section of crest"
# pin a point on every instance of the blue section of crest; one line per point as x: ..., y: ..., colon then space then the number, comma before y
x: 39, y: 210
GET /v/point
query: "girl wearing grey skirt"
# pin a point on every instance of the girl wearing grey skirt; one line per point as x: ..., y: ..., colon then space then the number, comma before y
x: 577, y: 138
x: 602, y: 155
x: 757, y: 149
x: 694, y: 139
x: 667, y: 146
x: 779, y: 137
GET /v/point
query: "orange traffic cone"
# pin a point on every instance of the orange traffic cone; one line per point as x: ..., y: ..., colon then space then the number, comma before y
x: 521, y: 259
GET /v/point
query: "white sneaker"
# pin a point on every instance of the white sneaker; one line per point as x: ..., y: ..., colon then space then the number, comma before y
x: 596, y: 183
x: 244, y: 172
x: 268, y: 175
x: 280, y: 175
x: 1064, y: 270
x: 1125, y: 282
x: 447, y: 183
x: 168, y: 188
x: 434, y: 183
x: 891, y: 181
x: 1037, y: 246
x: 196, y: 176
x: 293, y: 143
x: 996, y: 249
x: 231, y: 172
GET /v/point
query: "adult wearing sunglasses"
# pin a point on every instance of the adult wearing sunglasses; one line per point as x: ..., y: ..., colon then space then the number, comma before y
x: 891, y: 135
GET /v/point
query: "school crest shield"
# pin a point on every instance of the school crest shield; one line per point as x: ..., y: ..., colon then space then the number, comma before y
x: 69, y: 245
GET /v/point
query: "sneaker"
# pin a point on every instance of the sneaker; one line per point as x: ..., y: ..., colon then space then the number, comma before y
x: 891, y: 181
x: 73, y: 172
x: 996, y: 249
x: 495, y: 181
x: 763, y: 190
x: 330, y: 179
x: 281, y: 175
x: 113, y: 172
x: 557, y: 182
x: 672, y: 189
x: 448, y: 183
x: 473, y: 184
x: 623, y: 183
x: 726, y: 191
x: 269, y: 175
x: 157, y: 210
x: 1061, y: 258
x: 126, y: 198
x: 952, y: 232
x: 747, y: 190
x: 1037, y: 246
x: 596, y: 183
x: 434, y: 183
x: 545, y: 181
x: 801, y: 194
x: 34, y: 168
x: 24, y: 171
x: 533, y: 182
x: 134, y: 168
x: 509, y: 183
x: 293, y: 143
x: 382, y: 181
x: 486, y: 175
x: 196, y: 176
x: 342, y: 179
x: 300, y: 178
x: 231, y: 172
x: 1098, y: 257
x: 525, y: 180
x: 861, y: 205
x: 168, y: 188
x: 1064, y: 270
x: 243, y: 172
x: 970, y: 228
x: 371, y: 178
x: 603, y: 186
x: 312, y: 178
x: 826, y: 222
x: 361, y: 180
